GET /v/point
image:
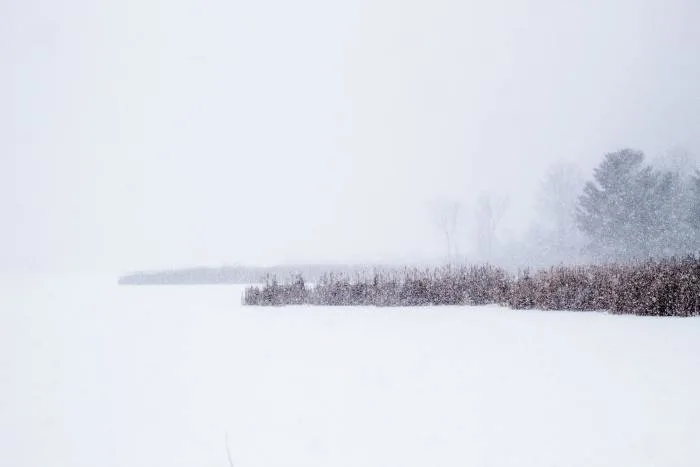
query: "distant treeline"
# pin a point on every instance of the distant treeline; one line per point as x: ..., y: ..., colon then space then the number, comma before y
x: 626, y: 209
x: 240, y: 274
x: 669, y: 287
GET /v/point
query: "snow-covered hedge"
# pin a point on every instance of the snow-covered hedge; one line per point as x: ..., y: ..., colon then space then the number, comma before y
x: 669, y: 287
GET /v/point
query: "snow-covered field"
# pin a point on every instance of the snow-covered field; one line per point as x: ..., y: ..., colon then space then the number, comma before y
x: 92, y: 374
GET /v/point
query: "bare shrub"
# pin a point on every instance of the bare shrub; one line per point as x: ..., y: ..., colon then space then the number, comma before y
x: 669, y: 287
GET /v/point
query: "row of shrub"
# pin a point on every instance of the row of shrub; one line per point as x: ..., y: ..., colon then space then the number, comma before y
x: 669, y: 287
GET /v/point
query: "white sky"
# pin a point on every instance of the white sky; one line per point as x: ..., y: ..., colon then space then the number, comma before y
x: 143, y: 134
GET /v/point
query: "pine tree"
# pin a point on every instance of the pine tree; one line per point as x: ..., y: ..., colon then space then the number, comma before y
x: 694, y: 204
x: 621, y: 211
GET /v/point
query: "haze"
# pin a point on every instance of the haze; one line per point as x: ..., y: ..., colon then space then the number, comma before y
x: 144, y: 134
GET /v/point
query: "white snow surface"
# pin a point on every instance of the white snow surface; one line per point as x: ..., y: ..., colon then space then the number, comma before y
x: 92, y: 374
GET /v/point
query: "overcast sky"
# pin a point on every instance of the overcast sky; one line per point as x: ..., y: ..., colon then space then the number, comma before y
x: 142, y: 134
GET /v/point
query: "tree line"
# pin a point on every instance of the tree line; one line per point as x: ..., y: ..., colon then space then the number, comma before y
x: 632, y: 210
x: 628, y: 210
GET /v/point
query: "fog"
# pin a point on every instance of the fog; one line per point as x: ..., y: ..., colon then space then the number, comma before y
x: 144, y: 134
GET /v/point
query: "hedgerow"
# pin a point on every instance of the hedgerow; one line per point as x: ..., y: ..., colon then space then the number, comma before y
x: 669, y: 287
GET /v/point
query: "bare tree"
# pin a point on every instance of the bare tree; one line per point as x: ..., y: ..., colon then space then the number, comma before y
x: 556, y: 202
x: 490, y: 209
x: 447, y: 215
x: 677, y: 160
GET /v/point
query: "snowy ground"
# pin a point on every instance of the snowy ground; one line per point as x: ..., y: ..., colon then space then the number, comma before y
x: 96, y: 375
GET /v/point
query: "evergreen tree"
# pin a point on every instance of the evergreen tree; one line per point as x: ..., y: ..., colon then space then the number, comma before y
x: 680, y: 236
x: 621, y: 211
x: 693, y: 211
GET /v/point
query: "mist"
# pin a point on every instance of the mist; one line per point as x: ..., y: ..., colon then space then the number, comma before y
x: 364, y: 233
x: 163, y: 134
